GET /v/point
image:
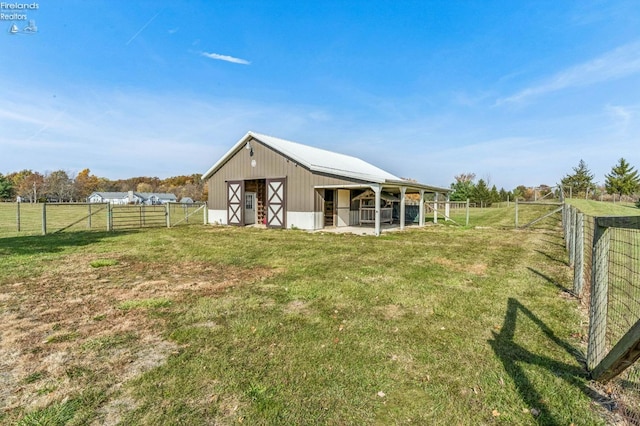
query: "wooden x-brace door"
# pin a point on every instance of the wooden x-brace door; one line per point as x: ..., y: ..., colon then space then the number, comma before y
x: 235, y: 197
x: 276, y: 203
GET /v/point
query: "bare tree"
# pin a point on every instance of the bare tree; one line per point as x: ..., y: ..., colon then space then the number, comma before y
x: 58, y: 186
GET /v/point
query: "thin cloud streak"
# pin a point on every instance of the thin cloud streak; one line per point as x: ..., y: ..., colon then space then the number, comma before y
x: 143, y: 28
x: 618, y: 63
x: 225, y: 58
x: 46, y: 126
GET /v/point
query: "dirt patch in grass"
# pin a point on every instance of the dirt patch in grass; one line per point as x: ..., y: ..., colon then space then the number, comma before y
x: 390, y: 312
x: 475, y: 269
x: 63, y: 331
x: 297, y: 307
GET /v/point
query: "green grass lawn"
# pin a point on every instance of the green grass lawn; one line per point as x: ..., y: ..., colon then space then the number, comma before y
x: 20, y: 219
x: 59, y: 217
x: 208, y: 325
x: 505, y: 216
x: 599, y: 208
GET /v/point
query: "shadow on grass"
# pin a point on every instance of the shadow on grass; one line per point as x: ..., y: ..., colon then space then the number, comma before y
x: 53, y: 243
x: 558, y: 242
x: 553, y: 258
x: 512, y: 355
x: 551, y: 280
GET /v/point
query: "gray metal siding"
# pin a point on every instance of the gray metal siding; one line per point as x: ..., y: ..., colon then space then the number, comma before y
x: 301, y: 197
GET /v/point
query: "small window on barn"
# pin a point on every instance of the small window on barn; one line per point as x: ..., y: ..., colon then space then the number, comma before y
x: 248, y: 202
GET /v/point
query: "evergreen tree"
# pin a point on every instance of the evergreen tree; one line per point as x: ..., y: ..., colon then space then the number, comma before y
x: 623, y: 179
x: 494, y: 196
x: 481, y: 194
x: 580, y: 181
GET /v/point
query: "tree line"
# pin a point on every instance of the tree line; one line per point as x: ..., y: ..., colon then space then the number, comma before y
x: 623, y: 181
x: 63, y: 186
x: 465, y: 188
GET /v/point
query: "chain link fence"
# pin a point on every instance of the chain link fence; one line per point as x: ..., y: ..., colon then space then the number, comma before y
x: 22, y: 219
x: 605, y: 255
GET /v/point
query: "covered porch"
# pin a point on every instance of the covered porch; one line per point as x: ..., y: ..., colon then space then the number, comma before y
x: 375, y: 204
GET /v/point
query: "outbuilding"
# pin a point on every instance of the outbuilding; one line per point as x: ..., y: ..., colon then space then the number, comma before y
x: 131, y: 197
x: 284, y: 184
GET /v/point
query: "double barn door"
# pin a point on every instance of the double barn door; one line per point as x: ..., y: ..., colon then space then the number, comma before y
x: 275, y: 203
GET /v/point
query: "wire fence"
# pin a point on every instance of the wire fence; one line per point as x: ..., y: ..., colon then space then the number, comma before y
x: 22, y: 219
x: 605, y: 255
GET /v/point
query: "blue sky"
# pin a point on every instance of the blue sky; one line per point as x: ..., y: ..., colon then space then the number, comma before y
x: 515, y: 92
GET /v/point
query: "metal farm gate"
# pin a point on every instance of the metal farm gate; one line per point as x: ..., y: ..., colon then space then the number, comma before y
x: 138, y: 216
x: 186, y: 214
x: 156, y: 216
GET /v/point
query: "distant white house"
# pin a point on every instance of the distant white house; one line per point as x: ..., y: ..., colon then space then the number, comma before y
x: 132, y: 197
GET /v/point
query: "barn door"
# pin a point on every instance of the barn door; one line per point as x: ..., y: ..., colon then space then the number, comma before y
x: 249, y: 208
x: 344, y: 207
x: 235, y: 206
x: 276, y: 203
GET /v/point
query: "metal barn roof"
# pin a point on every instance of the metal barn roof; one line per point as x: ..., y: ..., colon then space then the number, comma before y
x: 323, y: 161
x: 317, y: 160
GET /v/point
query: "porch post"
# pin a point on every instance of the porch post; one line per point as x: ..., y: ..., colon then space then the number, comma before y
x: 421, y: 208
x: 435, y: 207
x: 403, y: 191
x: 377, y: 189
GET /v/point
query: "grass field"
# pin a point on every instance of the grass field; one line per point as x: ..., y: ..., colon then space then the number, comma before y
x: 505, y: 216
x: 599, y: 208
x: 60, y: 217
x: 20, y: 219
x: 212, y: 325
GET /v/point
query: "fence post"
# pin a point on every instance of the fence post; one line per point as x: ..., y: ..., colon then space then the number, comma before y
x: 578, y: 270
x: 565, y: 226
x: 599, y: 291
x: 44, y: 218
x: 205, y: 209
x: 109, y: 218
x: 570, y: 234
x: 564, y: 221
x: 574, y: 233
x: 168, y: 214
x: 447, y: 208
x: 516, y: 212
x: 18, y: 217
x: 467, y: 212
x: 89, y: 216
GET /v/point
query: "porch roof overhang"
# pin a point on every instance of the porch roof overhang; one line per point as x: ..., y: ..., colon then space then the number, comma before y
x: 390, y: 186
